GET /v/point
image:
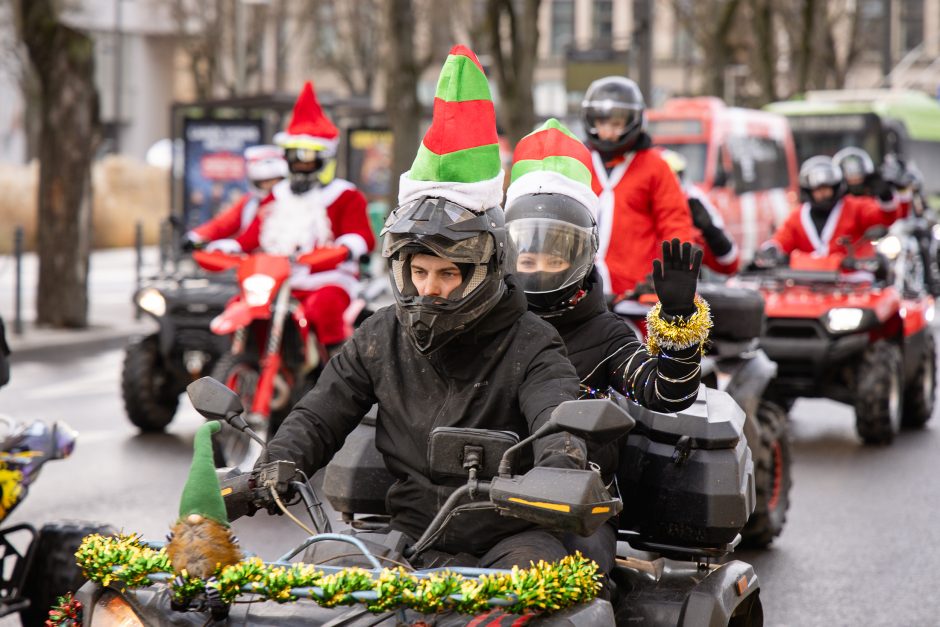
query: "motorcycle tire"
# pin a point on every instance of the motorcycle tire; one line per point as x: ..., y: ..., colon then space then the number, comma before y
x: 772, y: 476
x: 240, y: 373
x: 53, y: 571
x: 150, y: 394
x: 878, y: 394
x: 921, y: 390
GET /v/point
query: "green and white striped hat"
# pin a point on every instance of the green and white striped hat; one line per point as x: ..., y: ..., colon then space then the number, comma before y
x: 459, y: 157
x: 552, y: 160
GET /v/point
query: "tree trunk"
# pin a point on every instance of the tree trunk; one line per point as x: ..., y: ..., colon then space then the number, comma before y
x: 766, y: 49
x: 515, y: 66
x: 64, y: 63
x: 718, y: 56
x: 401, y: 89
x: 806, y: 45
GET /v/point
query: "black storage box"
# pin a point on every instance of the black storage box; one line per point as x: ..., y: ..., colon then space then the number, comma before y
x: 687, y: 479
x: 356, y: 480
x: 737, y: 312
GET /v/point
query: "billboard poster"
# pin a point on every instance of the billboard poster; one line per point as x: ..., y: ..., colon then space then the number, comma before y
x: 214, y: 165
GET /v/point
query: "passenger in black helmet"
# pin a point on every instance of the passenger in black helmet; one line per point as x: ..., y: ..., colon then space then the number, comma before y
x: 549, y: 218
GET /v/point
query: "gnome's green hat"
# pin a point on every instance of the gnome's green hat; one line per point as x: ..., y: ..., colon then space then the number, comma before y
x: 202, y: 493
x: 458, y: 160
x: 552, y: 160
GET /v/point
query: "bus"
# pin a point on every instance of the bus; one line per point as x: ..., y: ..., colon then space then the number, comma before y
x: 880, y: 121
x: 743, y: 159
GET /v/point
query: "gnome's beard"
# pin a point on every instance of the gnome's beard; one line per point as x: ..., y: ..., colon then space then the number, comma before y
x: 295, y: 223
x: 201, y: 545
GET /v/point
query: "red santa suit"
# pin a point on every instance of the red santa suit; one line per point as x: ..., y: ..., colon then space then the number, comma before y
x: 641, y: 206
x: 330, y: 215
x: 850, y: 218
x: 233, y: 220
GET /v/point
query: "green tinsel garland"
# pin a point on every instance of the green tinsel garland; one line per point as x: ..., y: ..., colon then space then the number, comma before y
x: 544, y: 587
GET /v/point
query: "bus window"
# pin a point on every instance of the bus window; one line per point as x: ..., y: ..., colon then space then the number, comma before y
x: 828, y: 134
x: 758, y: 163
x: 695, y: 155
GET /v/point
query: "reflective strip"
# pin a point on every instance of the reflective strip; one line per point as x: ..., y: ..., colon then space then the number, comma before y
x: 556, y: 507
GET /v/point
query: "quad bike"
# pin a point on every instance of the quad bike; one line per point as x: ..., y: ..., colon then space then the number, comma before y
x: 158, y: 367
x: 848, y: 328
x: 480, y: 462
x: 686, y: 481
x: 735, y: 363
x: 33, y: 578
x: 274, y: 356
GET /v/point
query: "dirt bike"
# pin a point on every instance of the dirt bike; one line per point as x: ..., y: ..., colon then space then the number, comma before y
x: 481, y: 461
x: 735, y: 363
x: 275, y: 356
x: 34, y: 577
x: 840, y: 327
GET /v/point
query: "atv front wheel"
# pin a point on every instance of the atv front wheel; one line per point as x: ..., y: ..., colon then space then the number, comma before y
x: 878, y: 394
x: 240, y: 373
x: 920, y: 393
x: 150, y: 393
x: 771, y: 477
x: 53, y: 571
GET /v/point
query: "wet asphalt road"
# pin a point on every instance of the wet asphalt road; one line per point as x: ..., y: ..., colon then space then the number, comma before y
x: 861, y: 546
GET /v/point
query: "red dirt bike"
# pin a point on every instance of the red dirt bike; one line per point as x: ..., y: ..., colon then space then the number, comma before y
x: 847, y: 328
x: 275, y: 356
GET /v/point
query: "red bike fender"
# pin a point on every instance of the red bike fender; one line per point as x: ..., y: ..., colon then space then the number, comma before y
x: 236, y: 316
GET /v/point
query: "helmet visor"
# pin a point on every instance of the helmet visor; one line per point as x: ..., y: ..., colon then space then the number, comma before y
x: 549, y: 254
x: 444, y: 228
x: 611, y: 112
x: 821, y: 175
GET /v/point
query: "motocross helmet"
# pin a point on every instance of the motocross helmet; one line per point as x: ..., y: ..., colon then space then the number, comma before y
x: 474, y: 242
x: 554, y: 242
x: 307, y: 168
x: 613, y: 99
x: 264, y: 163
x: 856, y: 166
x: 817, y: 172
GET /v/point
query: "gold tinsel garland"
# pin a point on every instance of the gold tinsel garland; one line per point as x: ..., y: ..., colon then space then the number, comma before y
x: 543, y: 588
x: 678, y: 335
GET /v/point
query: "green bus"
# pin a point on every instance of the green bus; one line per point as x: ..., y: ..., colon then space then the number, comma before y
x: 881, y: 121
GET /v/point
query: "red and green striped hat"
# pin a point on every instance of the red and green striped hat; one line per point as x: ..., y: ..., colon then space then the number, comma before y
x: 459, y: 157
x: 552, y: 160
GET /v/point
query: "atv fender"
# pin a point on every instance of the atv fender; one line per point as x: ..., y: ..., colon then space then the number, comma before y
x: 713, y: 602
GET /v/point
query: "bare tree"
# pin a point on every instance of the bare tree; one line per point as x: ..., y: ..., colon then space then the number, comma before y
x: 512, y: 41
x: 711, y: 24
x: 63, y: 59
x: 347, y: 44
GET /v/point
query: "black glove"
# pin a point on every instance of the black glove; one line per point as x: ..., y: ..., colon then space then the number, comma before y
x: 676, y: 276
x: 701, y: 218
x: 769, y: 257
x: 879, y: 187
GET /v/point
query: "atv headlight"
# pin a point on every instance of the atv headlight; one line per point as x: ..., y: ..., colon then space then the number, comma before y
x: 889, y: 246
x: 257, y: 289
x: 844, y: 319
x: 151, y: 301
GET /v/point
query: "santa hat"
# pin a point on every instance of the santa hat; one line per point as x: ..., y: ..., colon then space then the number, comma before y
x: 309, y: 127
x: 265, y: 162
x: 202, y: 494
x: 552, y: 160
x: 459, y: 157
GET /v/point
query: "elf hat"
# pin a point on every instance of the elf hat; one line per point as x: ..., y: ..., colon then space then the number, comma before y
x: 551, y: 160
x: 459, y: 157
x: 202, y: 494
x: 309, y: 127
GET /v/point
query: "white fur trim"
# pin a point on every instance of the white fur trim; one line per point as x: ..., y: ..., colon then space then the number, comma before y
x: 355, y: 243
x: 295, y: 222
x: 890, y: 205
x: 550, y: 182
x: 302, y: 279
x: 728, y: 257
x: 478, y: 196
x: 229, y: 246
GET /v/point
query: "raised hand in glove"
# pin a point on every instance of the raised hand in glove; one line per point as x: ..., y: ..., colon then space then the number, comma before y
x: 676, y: 276
x: 701, y: 218
x: 879, y: 187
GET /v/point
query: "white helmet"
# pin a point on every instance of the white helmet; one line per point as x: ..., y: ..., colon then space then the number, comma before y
x: 264, y: 163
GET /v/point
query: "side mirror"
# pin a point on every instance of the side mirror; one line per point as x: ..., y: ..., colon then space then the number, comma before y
x: 214, y: 400
x: 597, y: 418
x: 876, y: 232
x: 556, y: 498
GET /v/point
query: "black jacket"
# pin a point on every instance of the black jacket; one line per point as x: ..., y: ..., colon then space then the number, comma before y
x: 607, y: 354
x: 507, y: 373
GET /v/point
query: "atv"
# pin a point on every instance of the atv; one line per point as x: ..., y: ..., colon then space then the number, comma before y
x: 35, y: 576
x: 650, y: 583
x: 158, y: 367
x: 849, y: 328
x: 735, y: 363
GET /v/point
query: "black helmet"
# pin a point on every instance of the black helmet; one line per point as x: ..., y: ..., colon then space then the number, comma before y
x: 613, y: 98
x: 820, y: 171
x: 475, y: 242
x: 856, y: 166
x: 554, y: 242
x: 306, y: 166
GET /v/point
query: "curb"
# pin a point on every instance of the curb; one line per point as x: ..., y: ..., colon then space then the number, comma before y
x: 34, y: 348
